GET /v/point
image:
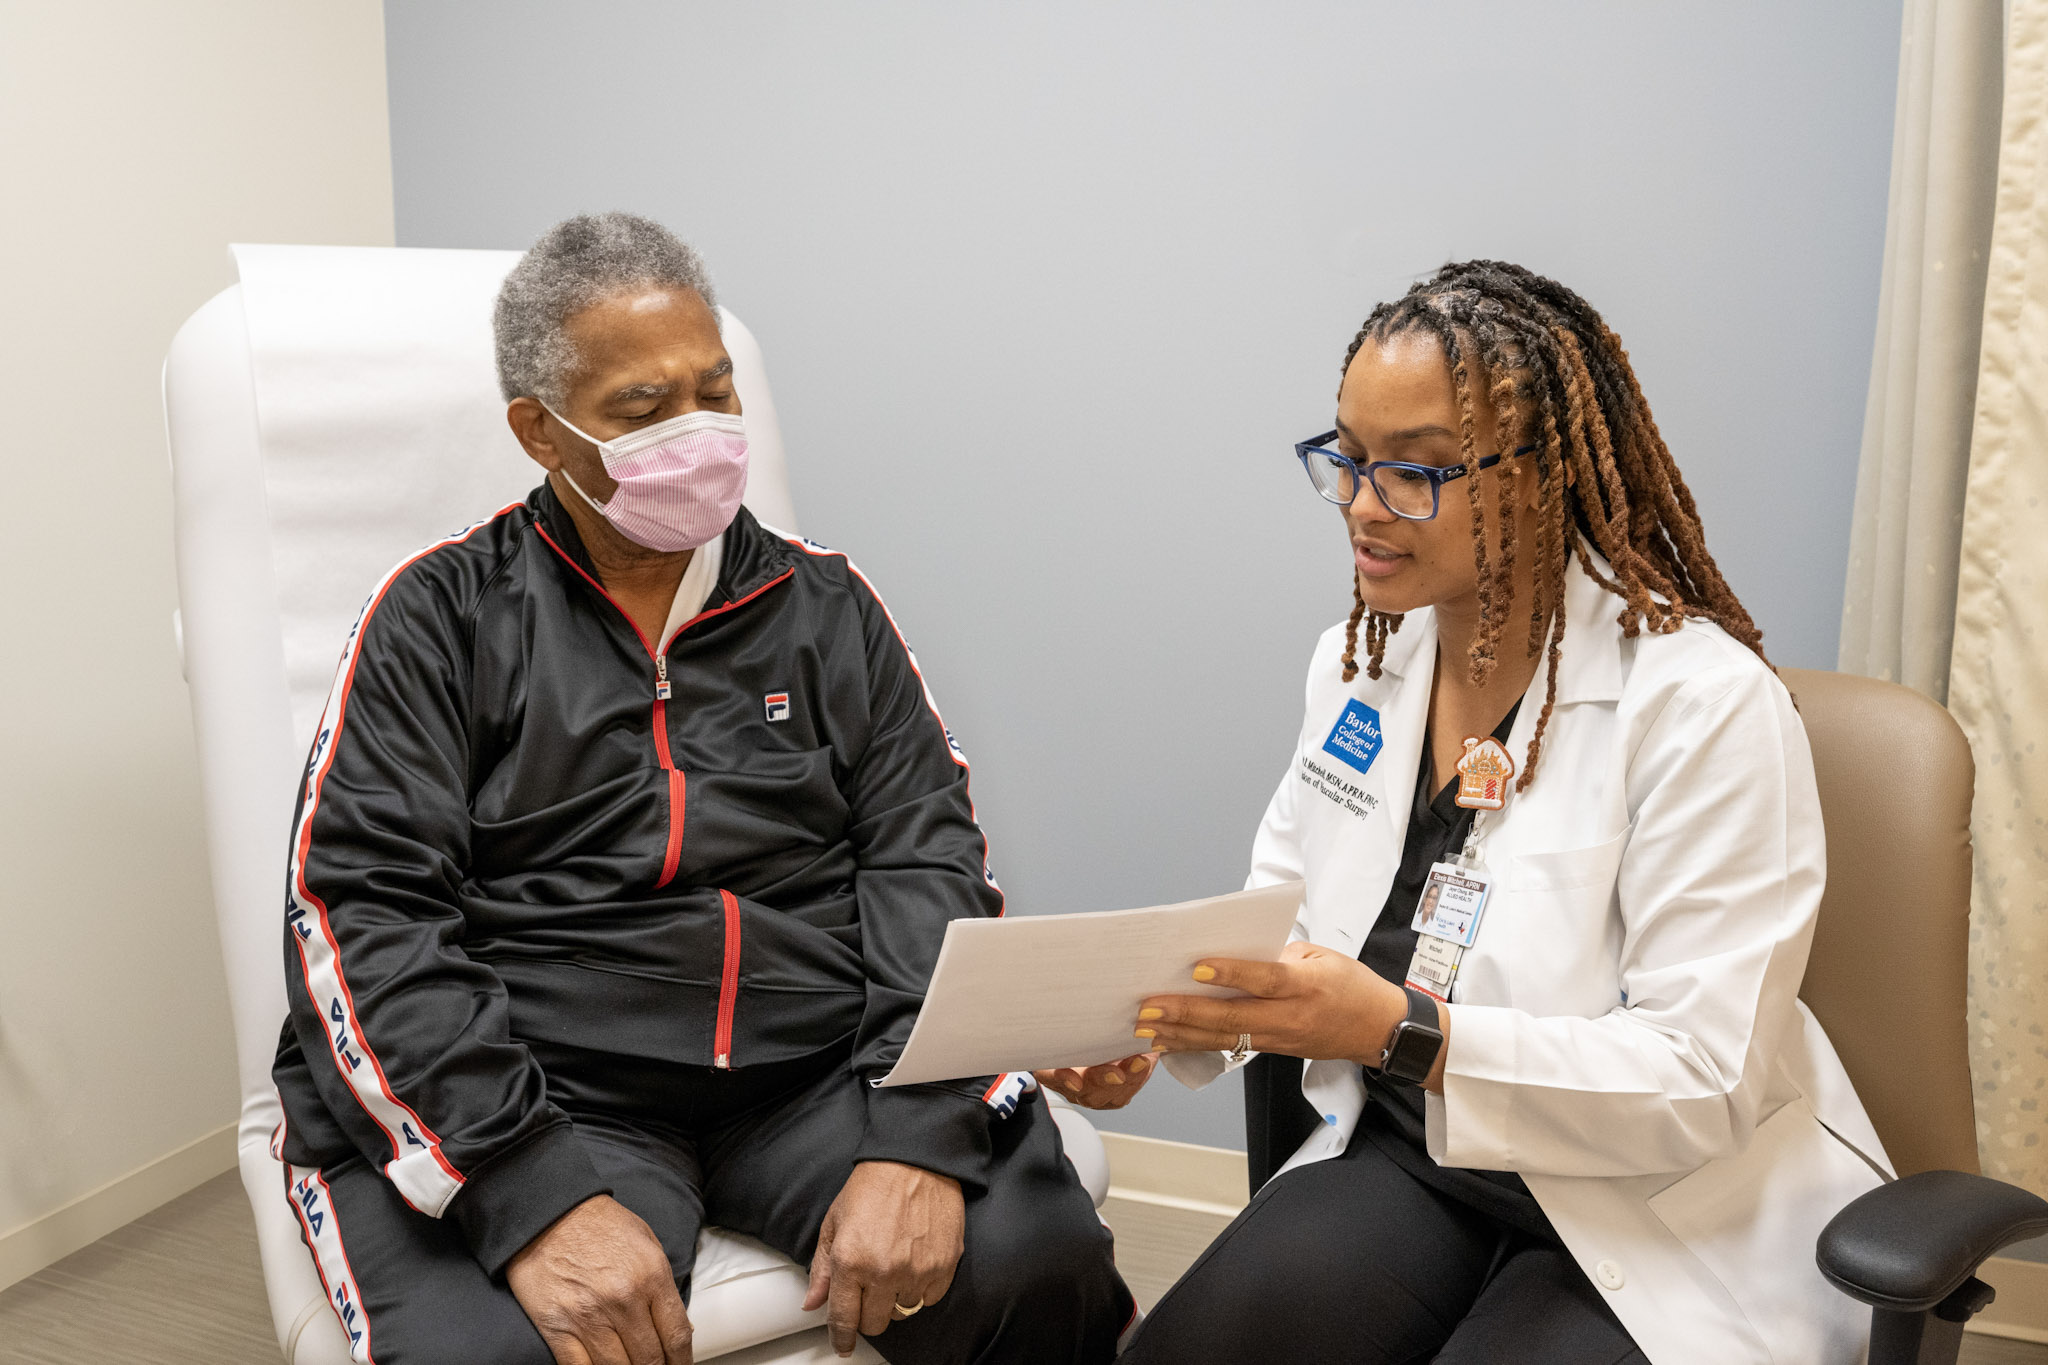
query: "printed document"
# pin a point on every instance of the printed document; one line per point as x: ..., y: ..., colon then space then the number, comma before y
x: 1037, y: 991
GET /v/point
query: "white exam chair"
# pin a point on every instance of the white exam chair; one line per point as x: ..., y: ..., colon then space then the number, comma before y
x: 332, y: 412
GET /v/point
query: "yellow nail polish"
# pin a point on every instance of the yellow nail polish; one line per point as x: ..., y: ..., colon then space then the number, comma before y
x: 1205, y: 973
x: 1111, y: 1078
x: 1147, y: 1033
x: 1151, y: 1013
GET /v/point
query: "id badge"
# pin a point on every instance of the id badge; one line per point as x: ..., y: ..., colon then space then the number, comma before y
x: 1452, y: 901
x: 1434, y: 968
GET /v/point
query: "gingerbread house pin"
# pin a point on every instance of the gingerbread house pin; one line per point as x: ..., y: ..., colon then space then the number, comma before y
x: 1483, y: 775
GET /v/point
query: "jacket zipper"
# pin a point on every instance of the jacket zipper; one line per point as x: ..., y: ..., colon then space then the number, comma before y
x: 678, y: 789
x: 728, y: 985
x: 678, y: 784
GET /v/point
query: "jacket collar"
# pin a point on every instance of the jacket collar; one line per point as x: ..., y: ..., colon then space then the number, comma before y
x: 1589, y: 665
x: 753, y: 556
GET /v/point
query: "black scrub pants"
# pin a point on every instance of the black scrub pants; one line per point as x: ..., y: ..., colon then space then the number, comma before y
x: 763, y: 1151
x: 1353, y: 1260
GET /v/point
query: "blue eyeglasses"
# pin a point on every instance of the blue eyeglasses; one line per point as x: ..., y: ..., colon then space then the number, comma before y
x: 1410, y: 491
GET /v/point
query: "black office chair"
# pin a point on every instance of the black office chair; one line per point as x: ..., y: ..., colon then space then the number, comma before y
x: 1888, y: 980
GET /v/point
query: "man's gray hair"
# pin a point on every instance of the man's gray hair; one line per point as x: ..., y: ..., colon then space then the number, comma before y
x: 576, y: 263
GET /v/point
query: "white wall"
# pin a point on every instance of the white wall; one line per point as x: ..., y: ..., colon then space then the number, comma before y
x: 136, y: 140
x: 1047, y: 290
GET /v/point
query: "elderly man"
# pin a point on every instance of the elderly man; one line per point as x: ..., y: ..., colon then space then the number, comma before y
x: 620, y: 866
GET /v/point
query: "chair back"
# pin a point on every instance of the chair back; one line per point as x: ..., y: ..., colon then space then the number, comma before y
x: 1889, y: 971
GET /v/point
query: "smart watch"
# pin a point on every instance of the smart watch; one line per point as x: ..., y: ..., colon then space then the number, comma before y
x: 1411, y: 1050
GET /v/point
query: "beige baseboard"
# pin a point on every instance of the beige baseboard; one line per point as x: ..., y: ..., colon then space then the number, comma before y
x: 1176, y: 1175
x: 78, y: 1224
x: 2021, y: 1309
x: 1181, y: 1175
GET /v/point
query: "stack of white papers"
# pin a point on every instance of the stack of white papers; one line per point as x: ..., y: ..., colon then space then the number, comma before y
x: 1037, y: 991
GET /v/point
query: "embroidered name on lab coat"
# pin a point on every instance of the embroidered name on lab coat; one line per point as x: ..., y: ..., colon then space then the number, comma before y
x: 1341, y: 791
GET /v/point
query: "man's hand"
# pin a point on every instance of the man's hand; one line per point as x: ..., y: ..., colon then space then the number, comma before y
x: 1111, y: 1085
x: 598, y: 1287
x: 892, y: 1237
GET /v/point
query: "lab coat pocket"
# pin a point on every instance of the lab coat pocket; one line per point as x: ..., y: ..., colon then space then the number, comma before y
x: 1547, y: 943
x: 1570, y: 869
x: 1752, y: 1220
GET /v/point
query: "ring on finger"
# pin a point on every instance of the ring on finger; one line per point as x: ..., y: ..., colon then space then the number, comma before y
x: 1243, y: 1051
x: 904, y: 1310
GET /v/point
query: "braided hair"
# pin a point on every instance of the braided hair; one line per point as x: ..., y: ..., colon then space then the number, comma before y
x: 1557, y: 374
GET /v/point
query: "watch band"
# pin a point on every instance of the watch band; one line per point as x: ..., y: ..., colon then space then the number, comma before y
x: 1412, y: 1048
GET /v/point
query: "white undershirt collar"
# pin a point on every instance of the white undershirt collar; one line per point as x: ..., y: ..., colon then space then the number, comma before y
x: 695, y: 589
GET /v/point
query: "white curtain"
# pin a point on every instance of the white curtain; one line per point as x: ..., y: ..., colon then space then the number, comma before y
x: 1998, y: 681
x: 1899, y: 611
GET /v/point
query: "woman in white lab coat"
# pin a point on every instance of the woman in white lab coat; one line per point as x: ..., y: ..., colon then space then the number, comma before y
x: 1595, y: 1124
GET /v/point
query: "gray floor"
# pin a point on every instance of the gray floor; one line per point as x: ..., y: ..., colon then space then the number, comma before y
x: 183, y: 1287
x: 1154, y: 1245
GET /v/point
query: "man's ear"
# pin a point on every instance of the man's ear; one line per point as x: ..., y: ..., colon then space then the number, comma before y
x: 528, y: 420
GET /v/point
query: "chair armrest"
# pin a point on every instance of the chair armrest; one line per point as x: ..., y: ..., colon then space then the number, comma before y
x: 1908, y: 1245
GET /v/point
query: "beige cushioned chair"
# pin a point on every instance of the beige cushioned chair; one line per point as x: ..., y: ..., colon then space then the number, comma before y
x: 1887, y: 980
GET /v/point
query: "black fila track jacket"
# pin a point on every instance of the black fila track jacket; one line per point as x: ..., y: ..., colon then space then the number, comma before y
x: 523, y: 820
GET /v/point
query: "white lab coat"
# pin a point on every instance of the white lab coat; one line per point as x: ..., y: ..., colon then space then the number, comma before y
x: 1625, y: 1033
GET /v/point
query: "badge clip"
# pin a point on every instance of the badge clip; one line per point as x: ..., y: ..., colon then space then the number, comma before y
x: 1483, y: 774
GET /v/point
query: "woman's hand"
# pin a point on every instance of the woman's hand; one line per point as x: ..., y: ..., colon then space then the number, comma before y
x: 1312, y: 1003
x: 1111, y: 1085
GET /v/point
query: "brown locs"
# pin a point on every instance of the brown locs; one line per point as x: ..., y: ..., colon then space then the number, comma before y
x: 1560, y: 380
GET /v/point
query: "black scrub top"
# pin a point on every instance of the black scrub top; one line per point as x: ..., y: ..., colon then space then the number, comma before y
x: 1278, y: 1119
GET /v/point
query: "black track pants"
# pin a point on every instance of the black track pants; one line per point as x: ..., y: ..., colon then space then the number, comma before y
x: 1352, y: 1260
x: 762, y: 1151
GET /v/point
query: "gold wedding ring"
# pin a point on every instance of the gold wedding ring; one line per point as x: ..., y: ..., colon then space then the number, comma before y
x: 904, y: 1310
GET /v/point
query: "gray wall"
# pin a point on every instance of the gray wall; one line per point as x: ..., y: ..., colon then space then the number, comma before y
x: 1047, y: 290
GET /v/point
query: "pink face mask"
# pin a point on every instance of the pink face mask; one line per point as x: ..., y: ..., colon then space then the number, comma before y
x: 680, y: 481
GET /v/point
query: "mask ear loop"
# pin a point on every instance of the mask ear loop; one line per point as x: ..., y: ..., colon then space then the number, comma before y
x: 595, y: 505
x: 573, y: 427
